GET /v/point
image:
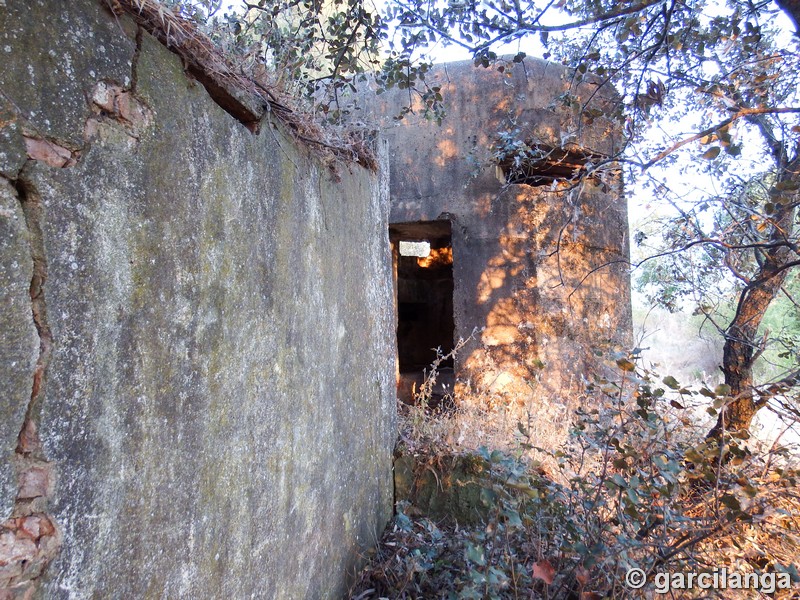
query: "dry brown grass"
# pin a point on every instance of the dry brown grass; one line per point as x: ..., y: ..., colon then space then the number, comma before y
x: 695, y: 529
x: 250, y: 97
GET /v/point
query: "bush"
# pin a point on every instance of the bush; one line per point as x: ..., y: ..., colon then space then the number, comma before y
x: 635, y: 486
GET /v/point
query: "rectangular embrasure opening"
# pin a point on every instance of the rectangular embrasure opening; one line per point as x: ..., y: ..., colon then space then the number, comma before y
x: 541, y: 165
x: 423, y: 264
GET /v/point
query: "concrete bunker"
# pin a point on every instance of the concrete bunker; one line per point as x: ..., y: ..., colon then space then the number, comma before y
x: 540, y: 288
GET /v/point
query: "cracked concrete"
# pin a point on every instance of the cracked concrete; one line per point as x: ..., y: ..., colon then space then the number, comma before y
x: 29, y: 445
x: 196, y: 365
x: 29, y: 540
x: 119, y: 117
x: 19, y: 344
x: 50, y: 152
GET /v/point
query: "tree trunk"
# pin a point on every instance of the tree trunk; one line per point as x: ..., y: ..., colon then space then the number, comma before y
x: 792, y: 10
x: 741, y: 336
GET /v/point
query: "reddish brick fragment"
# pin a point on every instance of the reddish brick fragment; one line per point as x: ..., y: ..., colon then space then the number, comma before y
x: 48, y: 152
x: 34, y: 483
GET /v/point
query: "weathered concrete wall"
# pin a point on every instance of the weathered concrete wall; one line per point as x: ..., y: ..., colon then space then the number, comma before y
x: 196, y: 361
x: 541, y: 270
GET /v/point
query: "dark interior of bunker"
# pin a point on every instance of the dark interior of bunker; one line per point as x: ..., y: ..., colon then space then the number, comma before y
x: 423, y: 265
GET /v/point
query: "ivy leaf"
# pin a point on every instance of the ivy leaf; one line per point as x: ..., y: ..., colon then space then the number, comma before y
x: 476, y: 554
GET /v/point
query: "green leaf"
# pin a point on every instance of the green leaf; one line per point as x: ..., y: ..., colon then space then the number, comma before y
x: 476, y: 554
x: 512, y: 518
x: 488, y: 497
x: 671, y: 382
x: 790, y: 569
x: 733, y: 150
x: 730, y: 501
x: 626, y: 365
x: 787, y: 186
x: 693, y: 455
x: 580, y: 548
x: 722, y: 390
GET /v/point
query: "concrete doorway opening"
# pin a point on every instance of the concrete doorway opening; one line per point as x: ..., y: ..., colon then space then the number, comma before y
x: 423, y: 283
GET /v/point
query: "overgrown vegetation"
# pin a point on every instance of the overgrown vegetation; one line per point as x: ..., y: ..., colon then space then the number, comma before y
x: 708, y: 89
x: 311, y: 52
x: 635, y: 485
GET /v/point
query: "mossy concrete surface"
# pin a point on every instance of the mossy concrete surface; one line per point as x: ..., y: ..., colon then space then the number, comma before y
x: 448, y: 488
x: 218, y: 405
